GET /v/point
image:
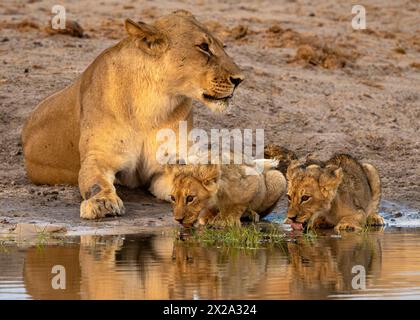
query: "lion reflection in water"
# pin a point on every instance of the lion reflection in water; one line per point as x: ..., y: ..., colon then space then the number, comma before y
x: 154, y: 267
x: 324, y: 266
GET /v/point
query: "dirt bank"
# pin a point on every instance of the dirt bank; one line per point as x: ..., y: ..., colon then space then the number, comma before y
x: 313, y: 83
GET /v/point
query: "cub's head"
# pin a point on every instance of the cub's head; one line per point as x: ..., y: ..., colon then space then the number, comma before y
x: 193, y: 61
x: 194, y: 193
x: 311, y: 190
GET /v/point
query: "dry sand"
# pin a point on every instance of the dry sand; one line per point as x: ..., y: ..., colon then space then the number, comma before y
x: 313, y: 83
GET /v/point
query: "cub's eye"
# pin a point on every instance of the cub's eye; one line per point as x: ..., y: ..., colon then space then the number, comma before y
x: 172, y: 198
x: 190, y: 199
x: 304, y: 198
x: 204, y: 47
x: 289, y: 198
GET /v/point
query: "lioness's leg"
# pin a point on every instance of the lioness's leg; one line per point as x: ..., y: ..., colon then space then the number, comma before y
x: 96, y: 184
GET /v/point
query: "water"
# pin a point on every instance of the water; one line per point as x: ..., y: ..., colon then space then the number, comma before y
x: 157, y: 266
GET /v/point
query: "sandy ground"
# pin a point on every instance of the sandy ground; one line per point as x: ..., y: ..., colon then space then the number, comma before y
x: 313, y: 83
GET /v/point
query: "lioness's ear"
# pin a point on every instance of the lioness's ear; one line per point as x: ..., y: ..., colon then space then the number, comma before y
x: 330, y: 179
x: 148, y: 38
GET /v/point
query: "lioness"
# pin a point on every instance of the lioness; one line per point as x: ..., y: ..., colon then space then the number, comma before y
x: 221, y: 194
x: 102, y: 128
x: 340, y: 192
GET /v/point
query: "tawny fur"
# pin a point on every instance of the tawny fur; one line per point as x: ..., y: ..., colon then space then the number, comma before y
x: 281, y: 154
x: 221, y: 194
x: 101, y: 129
x: 340, y: 192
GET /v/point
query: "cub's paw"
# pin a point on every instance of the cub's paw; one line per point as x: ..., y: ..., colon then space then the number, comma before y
x: 205, y: 217
x: 375, y: 220
x: 254, y: 216
x: 251, y: 215
x: 101, y: 205
x: 222, y: 222
x: 321, y: 223
x: 347, y: 226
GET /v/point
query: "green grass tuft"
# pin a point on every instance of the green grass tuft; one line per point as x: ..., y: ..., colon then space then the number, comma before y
x: 246, y: 237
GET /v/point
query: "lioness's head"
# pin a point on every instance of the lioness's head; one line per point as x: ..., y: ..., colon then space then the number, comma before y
x: 311, y: 190
x: 194, y: 61
x: 194, y: 192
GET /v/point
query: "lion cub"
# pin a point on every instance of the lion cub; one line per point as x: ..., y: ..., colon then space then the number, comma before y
x: 221, y: 194
x: 340, y: 192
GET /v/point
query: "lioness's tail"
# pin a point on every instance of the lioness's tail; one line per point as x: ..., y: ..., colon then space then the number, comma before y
x: 375, y: 187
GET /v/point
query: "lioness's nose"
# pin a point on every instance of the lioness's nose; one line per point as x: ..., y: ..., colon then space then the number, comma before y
x: 236, y: 80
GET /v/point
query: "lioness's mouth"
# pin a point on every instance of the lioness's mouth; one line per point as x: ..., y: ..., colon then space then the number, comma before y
x: 209, y: 97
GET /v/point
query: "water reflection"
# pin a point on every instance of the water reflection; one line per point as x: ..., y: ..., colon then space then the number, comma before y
x: 159, y: 267
x: 319, y: 268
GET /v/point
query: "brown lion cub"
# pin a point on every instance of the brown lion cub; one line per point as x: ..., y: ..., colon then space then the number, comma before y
x: 221, y: 194
x: 340, y: 192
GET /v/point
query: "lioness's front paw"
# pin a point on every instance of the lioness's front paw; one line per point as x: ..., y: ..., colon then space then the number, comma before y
x: 100, y: 206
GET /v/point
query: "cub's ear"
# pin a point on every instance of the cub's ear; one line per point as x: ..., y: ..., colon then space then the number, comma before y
x: 291, y: 169
x: 148, y: 38
x: 211, y: 185
x: 330, y: 179
x: 170, y: 169
x: 209, y: 175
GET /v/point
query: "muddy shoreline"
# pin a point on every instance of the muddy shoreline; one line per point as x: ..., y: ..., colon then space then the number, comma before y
x: 315, y: 85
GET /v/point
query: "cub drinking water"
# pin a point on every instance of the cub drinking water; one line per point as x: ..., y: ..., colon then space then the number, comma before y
x: 340, y: 192
x: 221, y: 194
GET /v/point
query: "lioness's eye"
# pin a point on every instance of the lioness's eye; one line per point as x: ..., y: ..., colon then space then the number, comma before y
x: 289, y: 198
x: 172, y: 198
x: 190, y: 199
x: 205, y: 47
x: 304, y: 198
